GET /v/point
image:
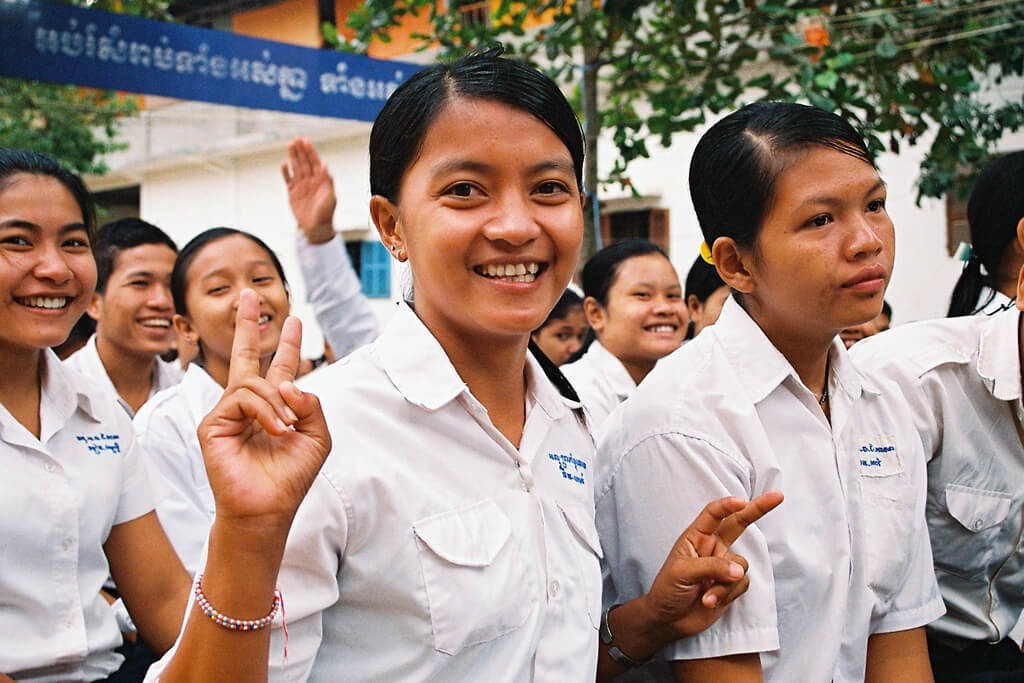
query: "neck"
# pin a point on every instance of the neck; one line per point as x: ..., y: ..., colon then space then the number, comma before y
x: 807, y: 354
x: 637, y: 369
x: 131, y: 374
x: 22, y: 385
x: 1004, y: 280
x: 496, y: 378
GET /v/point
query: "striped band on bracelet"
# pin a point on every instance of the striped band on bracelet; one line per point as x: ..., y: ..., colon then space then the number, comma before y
x: 228, y: 622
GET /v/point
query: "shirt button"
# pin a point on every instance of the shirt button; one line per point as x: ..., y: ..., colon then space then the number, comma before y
x: 524, y: 486
x: 66, y: 544
x: 977, y: 524
x: 50, y: 467
x: 554, y: 589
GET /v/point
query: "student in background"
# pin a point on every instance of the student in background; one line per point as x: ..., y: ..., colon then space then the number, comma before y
x: 562, y: 334
x: 994, y: 212
x: 705, y: 294
x: 635, y: 308
x: 852, y: 335
x: 962, y: 379
x: 133, y: 311
x: 841, y: 575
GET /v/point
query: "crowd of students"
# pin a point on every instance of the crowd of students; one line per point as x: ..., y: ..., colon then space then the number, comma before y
x: 511, y: 481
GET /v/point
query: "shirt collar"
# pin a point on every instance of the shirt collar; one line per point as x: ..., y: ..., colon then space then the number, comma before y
x: 416, y: 363
x: 612, y: 368
x: 999, y: 355
x: 202, y: 390
x: 762, y: 367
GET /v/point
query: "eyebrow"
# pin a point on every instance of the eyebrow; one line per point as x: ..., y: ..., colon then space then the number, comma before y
x: 28, y: 225
x: 833, y: 201
x: 456, y: 165
x: 220, y: 271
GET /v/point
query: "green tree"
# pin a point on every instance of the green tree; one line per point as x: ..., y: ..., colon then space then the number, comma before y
x: 75, y: 125
x: 643, y: 70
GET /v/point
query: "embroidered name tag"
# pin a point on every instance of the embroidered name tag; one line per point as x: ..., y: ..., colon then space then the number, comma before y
x: 101, y: 443
x: 570, y: 467
x: 879, y: 458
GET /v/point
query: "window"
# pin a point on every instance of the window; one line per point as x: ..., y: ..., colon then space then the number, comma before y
x: 474, y: 12
x: 373, y: 263
x: 644, y: 224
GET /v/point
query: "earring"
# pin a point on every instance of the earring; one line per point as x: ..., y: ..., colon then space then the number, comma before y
x: 394, y: 249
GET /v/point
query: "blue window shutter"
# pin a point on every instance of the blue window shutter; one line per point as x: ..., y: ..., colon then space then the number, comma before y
x: 375, y: 270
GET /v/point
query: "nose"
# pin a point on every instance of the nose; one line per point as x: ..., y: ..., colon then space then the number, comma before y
x: 53, y: 266
x: 574, y: 345
x: 514, y: 223
x: 160, y: 297
x: 866, y: 239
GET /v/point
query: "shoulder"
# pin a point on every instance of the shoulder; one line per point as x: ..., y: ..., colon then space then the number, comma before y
x: 919, y: 347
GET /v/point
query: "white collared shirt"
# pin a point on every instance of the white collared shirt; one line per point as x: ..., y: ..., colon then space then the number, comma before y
x: 429, y: 547
x: 993, y: 302
x: 166, y: 427
x: 846, y: 555
x: 336, y: 295
x: 60, y: 495
x: 601, y: 380
x: 962, y: 379
x: 87, y: 361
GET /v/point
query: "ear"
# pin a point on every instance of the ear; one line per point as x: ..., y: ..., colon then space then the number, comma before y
x: 1020, y: 276
x: 95, y: 308
x: 183, y: 326
x: 389, y: 226
x: 693, y: 305
x: 595, y: 313
x: 733, y: 264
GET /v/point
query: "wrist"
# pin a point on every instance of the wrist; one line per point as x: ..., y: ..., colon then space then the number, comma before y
x: 318, y: 234
x: 634, y: 632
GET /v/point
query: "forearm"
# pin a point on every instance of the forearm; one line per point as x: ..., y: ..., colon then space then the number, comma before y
x: 239, y: 580
x: 898, y: 657
x: 636, y: 633
x: 744, y: 668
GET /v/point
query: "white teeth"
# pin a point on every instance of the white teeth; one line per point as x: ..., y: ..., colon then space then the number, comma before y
x: 46, y: 301
x: 264, y: 319
x: 520, y: 269
x: 512, y: 272
x: 662, y: 328
x: 156, y: 322
x: 532, y: 267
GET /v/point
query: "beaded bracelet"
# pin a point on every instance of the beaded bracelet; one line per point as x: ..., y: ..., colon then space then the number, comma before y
x: 234, y: 624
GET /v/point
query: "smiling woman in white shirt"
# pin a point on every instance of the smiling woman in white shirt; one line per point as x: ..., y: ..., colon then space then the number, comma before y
x: 450, y: 534
x: 962, y: 378
x: 635, y: 308
x: 75, y: 503
x: 841, y: 575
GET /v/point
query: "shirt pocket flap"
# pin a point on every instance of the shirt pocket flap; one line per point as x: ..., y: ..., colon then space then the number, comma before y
x: 582, y: 523
x: 470, y: 537
x: 977, y: 509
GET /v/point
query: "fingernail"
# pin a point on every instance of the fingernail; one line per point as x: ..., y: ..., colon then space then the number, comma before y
x: 281, y: 426
x: 290, y: 414
x: 735, y: 571
x: 710, y: 600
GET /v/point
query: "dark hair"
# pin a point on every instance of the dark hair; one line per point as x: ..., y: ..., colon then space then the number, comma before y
x: 114, y: 237
x: 995, y: 207
x: 188, y: 253
x: 15, y: 161
x: 738, y: 160
x: 563, y: 307
x: 886, y: 309
x: 401, y: 126
x: 702, y: 281
x: 601, y: 270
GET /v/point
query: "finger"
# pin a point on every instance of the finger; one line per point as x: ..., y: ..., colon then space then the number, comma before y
x: 696, y: 571
x: 303, y: 162
x: 286, y: 173
x: 711, y: 516
x: 721, y: 594
x: 271, y: 395
x: 307, y: 407
x: 736, y: 524
x: 237, y: 410
x: 245, y: 353
x: 286, y: 359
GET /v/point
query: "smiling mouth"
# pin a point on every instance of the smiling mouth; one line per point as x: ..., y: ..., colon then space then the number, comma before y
x: 47, y: 302
x: 663, y: 327
x: 510, y: 272
x: 156, y: 322
x: 264, y: 318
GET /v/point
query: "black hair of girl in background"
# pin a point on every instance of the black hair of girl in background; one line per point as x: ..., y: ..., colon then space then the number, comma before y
x: 995, y: 207
x: 702, y: 281
x: 15, y: 161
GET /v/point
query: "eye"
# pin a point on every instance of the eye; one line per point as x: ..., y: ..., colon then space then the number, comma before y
x: 219, y: 289
x: 462, y: 189
x: 75, y: 243
x: 642, y: 295
x: 674, y: 296
x: 15, y: 241
x: 562, y: 336
x: 876, y: 205
x: 138, y: 283
x: 551, y: 187
x: 263, y: 279
x: 820, y: 221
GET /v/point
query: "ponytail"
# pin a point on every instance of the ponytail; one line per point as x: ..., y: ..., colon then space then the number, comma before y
x: 556, y: 377
x: 964, y: 300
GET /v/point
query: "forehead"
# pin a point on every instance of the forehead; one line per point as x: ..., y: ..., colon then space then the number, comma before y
x: 40, y: 199
x: 648, y: 268
x: 819, y: 172
x: 229, y: 253
x: 148, y: 257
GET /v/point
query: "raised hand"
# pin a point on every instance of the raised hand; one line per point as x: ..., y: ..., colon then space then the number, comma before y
x: 265, y: 440
x: 700, y: 576
x: 310, y: 191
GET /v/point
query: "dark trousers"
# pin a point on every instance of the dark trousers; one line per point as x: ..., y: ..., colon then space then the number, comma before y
x: 137, y: 658
x: 979, y: 662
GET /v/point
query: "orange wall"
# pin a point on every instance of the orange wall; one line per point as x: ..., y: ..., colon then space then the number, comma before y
x: 292, y: 21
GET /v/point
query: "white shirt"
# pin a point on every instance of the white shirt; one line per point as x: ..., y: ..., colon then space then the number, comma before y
x: 846, y: 555
x: 601, y: 380
x: 429, y: 547
x: 60, y: 495
x: 999, y: 302
x: 962, y: 379
x: 87, y: 361
x: 336, y: 295
x: 166, y: 427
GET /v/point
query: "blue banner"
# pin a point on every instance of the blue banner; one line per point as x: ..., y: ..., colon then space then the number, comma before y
x: 48, y: 41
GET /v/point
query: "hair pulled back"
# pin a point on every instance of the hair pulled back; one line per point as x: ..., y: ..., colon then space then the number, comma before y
x: 702, y: 281
x: 601, y: 270
x: 995, y: 207
x: 739, y: 159
x: 401, y: 126
x: 15, y: 161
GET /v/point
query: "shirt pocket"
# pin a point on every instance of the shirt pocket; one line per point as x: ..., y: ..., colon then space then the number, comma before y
x: 477, y: 585
x: 889, y: 529
x: 587, y: 554
x: 964, y: 546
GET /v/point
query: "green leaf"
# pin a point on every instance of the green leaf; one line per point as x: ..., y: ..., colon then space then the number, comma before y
x: 826, y: 80
x: 887, y: 48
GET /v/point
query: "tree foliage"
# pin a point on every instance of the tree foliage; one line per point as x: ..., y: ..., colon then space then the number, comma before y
x: 899, y: 70
x: 75, y: 125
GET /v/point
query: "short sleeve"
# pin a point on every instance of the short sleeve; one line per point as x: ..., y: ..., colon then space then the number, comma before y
x: 136, y: 490
x: 675, y: 476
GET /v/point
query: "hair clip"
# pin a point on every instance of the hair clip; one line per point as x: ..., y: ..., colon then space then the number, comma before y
x: 963, y: 252
x: 705, y: 253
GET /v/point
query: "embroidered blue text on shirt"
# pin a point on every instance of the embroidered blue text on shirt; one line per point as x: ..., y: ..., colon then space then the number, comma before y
x: 872, y: 448
x: 565, y: 462
x: 877, y: 462
x: 96, y: 442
